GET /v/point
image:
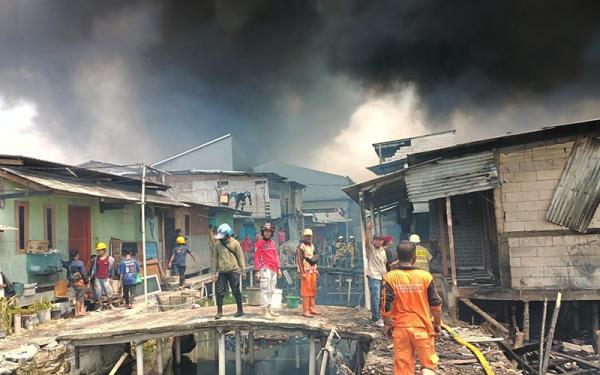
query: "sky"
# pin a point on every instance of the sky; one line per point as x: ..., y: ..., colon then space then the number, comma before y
x: 313, y: 83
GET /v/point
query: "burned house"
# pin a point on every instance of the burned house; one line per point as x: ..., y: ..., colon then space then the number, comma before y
x: 513, y: 218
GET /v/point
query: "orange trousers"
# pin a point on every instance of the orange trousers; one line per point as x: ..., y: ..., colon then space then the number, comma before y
x: 407, y: 341
x: 308, y: 285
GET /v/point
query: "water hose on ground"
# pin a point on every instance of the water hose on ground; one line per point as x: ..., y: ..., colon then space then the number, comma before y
x: 484, y: 363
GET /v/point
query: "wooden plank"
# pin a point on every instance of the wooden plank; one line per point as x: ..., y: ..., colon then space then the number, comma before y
x: 485, y: 316
x: 11, y: 162
x: 442, y: 232
x: 451, y: 241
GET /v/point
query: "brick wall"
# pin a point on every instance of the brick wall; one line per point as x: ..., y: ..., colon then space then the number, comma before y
x: 529, y: 178
x: 557, y: 262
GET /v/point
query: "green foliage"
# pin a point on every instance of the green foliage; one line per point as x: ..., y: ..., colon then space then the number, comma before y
x: 9, y: 307
x: 41, y: 305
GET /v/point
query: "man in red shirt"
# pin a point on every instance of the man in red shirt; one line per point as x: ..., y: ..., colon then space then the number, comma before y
x: 102, y: 270
x: 266, y: 267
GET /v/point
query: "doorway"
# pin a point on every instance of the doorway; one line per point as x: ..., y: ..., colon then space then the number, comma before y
x: 80, y: 232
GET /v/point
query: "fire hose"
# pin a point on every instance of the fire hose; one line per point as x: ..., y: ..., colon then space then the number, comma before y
x: 484, y: 363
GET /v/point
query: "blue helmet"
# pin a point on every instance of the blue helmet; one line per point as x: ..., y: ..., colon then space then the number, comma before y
x: 224, y: 231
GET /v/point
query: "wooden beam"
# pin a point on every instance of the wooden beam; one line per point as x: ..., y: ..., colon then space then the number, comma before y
x: 451, y: 241
x: 442, y: 230
x: 11, y: 162
x: 485, y: 316
x: 526, y: 320
x: 550, y: 336
x: 363, y: 231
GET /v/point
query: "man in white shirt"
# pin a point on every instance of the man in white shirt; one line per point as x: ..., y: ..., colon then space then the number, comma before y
x: 376, y: 271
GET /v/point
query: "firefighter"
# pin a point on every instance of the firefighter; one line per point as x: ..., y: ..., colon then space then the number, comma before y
x: 340, y: 249
x: 306, y: 260
x: 423, y: 255
x: 352, y: 249
x: 409, y: 300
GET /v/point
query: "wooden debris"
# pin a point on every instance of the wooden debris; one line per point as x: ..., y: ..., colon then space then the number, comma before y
x: 485, y: 316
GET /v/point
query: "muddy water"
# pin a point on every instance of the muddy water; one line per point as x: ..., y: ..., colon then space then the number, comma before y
x: 273, y: 355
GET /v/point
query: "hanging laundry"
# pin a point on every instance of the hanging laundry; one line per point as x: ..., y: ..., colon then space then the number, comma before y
x: 241, y: 198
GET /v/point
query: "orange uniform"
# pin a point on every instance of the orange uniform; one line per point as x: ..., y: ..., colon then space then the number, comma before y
x: 407, y: 297
x: 308, y: 270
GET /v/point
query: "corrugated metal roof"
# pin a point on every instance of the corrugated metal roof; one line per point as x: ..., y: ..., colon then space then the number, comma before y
x: 449, y: 177
x: 577, y: 195
x: 91, y: 188
x: 328, y: 217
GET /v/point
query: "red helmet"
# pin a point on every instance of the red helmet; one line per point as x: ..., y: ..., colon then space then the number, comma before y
x: 267, y: 226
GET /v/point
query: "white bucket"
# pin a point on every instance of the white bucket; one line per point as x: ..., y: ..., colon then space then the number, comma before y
x: 277, y: 298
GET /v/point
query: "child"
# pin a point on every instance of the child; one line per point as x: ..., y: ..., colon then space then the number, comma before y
x: 78, y: 278
x: 128, y: 269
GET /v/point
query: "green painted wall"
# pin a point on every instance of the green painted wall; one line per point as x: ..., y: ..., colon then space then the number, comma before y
x: 123, y: 224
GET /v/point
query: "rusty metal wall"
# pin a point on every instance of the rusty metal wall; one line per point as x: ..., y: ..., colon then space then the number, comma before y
x: 577, y: 195
x: 450, y: 177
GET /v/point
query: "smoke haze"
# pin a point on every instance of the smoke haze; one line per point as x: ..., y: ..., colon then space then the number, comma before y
x: 136, y: 81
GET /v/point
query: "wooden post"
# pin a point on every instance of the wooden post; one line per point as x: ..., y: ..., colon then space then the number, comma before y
x: 178, y: 350
x: 485, y: 316
x: 221, y: 337
x: 451, y: 241
x: 513, y: 316
x: 526, y: 320
x: 551, y: 334
x: 595, y: 331
x: 159, y: 355
x: 238, y: 353
x: 139, y: 357
x: 597, y: 337
x: 312, y: 353
x: 297, y: 349
x: 363, y: 226
x: 77, y: 360
x: 251, y: 346
x: 442, y: 229
x: 542, y: 335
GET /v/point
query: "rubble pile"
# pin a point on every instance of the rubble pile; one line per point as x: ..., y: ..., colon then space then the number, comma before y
x: 40, y: 356
x: 454, y: 358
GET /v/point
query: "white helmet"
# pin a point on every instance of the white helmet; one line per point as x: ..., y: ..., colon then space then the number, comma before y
x: 340, y: 237
x: 414, y: 238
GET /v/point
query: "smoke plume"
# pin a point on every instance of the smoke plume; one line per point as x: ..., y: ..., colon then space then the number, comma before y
x: 138, y: 80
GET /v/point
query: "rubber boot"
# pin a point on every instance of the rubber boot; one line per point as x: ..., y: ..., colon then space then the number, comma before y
x: 240, y: 309
x: 266, y: 313
x: 219, y: 312
x: 312, y: 307
x: 272, y: 312
x: 306, y: 307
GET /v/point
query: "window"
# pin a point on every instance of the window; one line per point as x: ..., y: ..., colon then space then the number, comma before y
x: 50, y: 226
x: 22, y: 219
x: 187, y: 226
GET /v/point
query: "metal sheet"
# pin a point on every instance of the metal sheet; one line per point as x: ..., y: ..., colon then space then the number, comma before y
x: 91, y: 188
x: 577, y: 195
x: 450, y: 177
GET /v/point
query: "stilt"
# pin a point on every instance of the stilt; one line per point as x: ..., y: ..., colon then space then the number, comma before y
x: 221, y: 338
x: 238, y: 353
x: 451, y: 242
x: 159, y: 356
x: 178, y: 350
x: 251, y: 277
x: 214, y: 292
x: 513, y: 316
x: 311, y: 355
x: 526, y: 320
x: 543, y: 335
x: 139, y: 357
x: 349, y: 281
x: 251, y: 346
x: 576, y: 317
x: 297, y: 349
x: 77, y: 363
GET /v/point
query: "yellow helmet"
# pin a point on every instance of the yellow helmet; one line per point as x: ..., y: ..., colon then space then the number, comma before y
x: 180, y: 240
x: 100, y: 246
x: 308, y: 232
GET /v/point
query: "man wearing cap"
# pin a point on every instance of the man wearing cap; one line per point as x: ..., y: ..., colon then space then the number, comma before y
x: 102, y: 270
x: 306, y: 260
x: 423, y: 255
x: 177, y: 263
x: 376, y: 260
x: 340, y: 249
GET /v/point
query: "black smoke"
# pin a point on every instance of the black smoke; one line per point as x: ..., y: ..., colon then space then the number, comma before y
x: 151, y: 78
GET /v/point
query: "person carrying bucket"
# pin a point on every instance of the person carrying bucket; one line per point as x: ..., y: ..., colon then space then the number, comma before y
x: 307, y: 269
x: 267, y: 268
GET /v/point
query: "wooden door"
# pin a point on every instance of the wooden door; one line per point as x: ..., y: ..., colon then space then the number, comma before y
x: 80, y: 232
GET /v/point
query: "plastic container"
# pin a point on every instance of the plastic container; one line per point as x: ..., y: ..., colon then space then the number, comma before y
x: 293, y: 302
x: 277, y: 299
x: 253, y: 294
x: 18, y: 288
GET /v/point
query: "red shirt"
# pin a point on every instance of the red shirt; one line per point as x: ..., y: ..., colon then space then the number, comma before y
x: 266, y: 255
x: 102, y: 266
x: 247, y: 245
